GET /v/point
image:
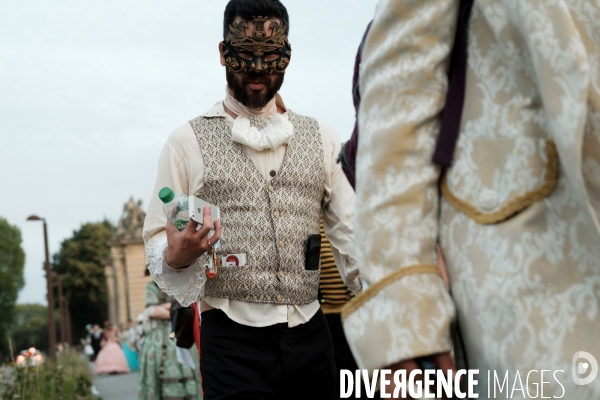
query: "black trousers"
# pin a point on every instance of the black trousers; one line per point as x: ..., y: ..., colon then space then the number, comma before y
x: 343, y: 355
x: 240, y: 362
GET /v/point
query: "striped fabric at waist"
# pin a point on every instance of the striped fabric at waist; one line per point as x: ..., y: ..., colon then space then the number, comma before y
x: 333, y: 294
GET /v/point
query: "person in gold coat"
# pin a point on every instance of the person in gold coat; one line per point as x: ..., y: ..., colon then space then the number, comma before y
x: 518, y: 212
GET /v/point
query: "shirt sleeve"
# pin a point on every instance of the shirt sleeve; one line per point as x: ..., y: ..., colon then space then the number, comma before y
x: 338, y: 211
x: 406, y: 310
x: 174, y: 170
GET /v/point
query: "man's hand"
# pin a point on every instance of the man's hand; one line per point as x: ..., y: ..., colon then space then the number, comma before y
x: 186, y: 246
x: 443, y: 361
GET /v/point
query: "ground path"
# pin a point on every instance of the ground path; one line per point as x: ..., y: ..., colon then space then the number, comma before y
x: 117, y: 387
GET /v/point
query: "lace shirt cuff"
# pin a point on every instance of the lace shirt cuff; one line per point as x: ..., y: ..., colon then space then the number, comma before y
x: 185, y: 285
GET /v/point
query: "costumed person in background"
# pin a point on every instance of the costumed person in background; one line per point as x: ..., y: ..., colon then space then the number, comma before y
x: 161, y: 376
x: 111, y: 359
x: 133, y: 333
x: 128, y: 345
x: 518, y: 215
x: 88, y: 350
x: 95, y: 337
x: 333, y: 295
x: 139, y: 330
x: 272, y: 173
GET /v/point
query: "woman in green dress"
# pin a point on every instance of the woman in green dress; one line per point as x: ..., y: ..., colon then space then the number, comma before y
x: 161, y: 376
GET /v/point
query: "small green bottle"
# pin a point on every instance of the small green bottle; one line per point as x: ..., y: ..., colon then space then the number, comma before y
x: 175, y: 207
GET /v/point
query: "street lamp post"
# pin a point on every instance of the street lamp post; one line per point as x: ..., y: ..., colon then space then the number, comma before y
x: 51, y: 327
x: 61, y: 308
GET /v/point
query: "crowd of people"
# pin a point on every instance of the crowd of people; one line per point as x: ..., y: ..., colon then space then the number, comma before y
x: 113, y: 349
x: 146, y: 347
x: 462, y: 216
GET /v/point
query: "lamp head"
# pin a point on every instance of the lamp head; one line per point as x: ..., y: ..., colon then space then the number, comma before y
x: 34, y: 218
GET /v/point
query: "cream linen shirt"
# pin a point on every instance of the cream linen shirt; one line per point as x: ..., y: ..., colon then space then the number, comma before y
x: 181, y: 168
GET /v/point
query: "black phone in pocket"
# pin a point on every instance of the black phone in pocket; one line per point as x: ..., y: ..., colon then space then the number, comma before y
x: 312, y: 253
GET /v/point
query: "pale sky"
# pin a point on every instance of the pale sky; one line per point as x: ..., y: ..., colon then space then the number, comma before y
x: 89, y: 91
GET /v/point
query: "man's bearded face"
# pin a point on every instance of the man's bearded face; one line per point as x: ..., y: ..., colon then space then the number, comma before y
x: 254, y: 89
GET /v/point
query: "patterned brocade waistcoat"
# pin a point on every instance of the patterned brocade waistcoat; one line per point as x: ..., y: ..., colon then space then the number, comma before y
x: 268, y: 222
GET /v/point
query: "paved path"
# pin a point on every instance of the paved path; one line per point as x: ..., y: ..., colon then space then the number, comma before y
x: 117, y: 387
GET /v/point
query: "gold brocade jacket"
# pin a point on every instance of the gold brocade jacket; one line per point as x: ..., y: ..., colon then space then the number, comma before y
x: 517, y: 213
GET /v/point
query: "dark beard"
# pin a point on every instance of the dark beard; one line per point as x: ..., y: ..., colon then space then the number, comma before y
x: 248, y: 97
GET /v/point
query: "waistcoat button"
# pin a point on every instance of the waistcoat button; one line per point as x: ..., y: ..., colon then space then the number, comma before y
x: 488, y: 200
x: 279, y: 298
x: 281, y: 274
x: 276, y: 214
x: 272, y: 173
x: 281, y: 243
x: 271, y: 188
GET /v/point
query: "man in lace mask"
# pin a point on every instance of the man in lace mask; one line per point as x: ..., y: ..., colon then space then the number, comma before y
x: 271, y: 172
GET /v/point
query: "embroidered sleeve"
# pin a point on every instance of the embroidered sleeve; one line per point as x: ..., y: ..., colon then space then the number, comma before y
x: 406, y: 310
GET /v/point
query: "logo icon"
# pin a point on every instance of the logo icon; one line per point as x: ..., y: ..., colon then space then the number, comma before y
x: 581, y: 368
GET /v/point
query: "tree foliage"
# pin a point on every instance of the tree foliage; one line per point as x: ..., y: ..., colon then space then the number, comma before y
x: 12, y: 260
x: 30, y: 327
x: 80, y: 263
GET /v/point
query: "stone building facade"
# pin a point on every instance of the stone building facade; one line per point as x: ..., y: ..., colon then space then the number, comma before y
x: 125, y: 267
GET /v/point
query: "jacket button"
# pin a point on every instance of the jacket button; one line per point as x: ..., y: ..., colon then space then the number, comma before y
x: 281, y: 274
x: 488, y: 200
x: 272, y: 173
x: 276, y: 214
x: 279, y: 298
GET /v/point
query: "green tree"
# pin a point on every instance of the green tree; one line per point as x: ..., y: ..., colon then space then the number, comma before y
x: 80, y: 263
x: 30, y: 327
x: 12, y: 260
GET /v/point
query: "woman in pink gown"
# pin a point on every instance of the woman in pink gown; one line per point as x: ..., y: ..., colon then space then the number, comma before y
x: 111, y: 359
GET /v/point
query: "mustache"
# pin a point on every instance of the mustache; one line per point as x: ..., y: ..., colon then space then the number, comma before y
x: 255, y: 77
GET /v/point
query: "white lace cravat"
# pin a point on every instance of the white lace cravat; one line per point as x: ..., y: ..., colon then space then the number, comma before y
x: 259, y: 129
x: 261, y: 133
